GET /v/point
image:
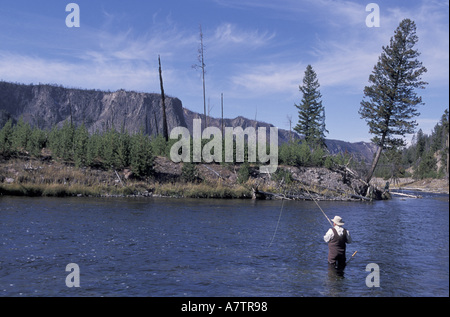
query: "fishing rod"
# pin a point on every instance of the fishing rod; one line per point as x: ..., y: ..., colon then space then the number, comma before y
x: 331, y: 224
x: 351, y: 257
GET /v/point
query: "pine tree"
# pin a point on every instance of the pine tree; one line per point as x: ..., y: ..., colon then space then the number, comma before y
x: 109, y: 142
x: 189, y: 172
x: 122, y: 158
x: 36, y: 141
x: 311, y: 113
x: 20, y: 135
x: 54, y: 139
x: 93, y: 151
x: 390, y: 101
x: 141, y: 155
x: 421, y: 143
x: 66, y: 136
x: 81, y: 139
x: 6, y: 142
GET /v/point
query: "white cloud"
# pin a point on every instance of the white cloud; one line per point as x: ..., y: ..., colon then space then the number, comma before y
x: 105, y: 75
x: 347, y: 59
x: 105, y: 60
x: 269, y: 79
x: 229, y: 34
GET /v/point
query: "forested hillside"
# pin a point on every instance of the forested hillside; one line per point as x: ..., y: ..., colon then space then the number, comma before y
x: 426, y: 157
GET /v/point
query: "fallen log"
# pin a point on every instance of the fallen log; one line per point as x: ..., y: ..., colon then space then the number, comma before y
x: 210, y: 169
x: 262, y: 195
x: 405, y: 195
x: 335, y: 190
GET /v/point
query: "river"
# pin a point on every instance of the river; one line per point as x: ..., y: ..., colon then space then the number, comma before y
x: 195, y: 248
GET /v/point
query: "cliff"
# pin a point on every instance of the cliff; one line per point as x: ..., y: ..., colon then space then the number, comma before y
x: 46, y: 105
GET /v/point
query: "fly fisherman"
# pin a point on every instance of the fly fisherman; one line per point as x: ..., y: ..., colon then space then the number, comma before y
x: 337, y: 238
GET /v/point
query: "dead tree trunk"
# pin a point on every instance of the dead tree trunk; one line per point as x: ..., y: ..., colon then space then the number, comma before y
x: 165, y: 129
x: 376, y: 159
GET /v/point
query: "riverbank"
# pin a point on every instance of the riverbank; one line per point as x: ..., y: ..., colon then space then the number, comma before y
x: 428, y: 185
x: 27, y: 176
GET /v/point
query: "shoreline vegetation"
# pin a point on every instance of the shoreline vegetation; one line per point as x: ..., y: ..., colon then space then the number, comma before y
x: 44, y: 177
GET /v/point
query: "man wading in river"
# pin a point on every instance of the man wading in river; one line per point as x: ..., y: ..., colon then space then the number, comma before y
x: 337, y: 238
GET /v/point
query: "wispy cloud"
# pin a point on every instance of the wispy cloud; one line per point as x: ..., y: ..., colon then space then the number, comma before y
x: 103, y: 58
x: 347, y: 59
x: 105, y: 75
x: 333, y: 11
x: 267, y: 79
x: 228, y: 34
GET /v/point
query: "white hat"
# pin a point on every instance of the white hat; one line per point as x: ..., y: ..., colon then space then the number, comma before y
x: 338, y: 221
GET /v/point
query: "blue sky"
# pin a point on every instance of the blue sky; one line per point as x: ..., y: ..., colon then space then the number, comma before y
x: 256, y: 52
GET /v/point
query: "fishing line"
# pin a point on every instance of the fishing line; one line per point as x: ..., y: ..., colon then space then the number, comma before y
x: 279, y: 217
x: 281, y: 211
x: 319, y: 206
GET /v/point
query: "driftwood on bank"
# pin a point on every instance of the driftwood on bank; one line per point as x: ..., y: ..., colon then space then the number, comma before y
x: 210, y: 169
x: 305, y: 192
x: 405, y: 195
x: 259, y: 194
x: 323, y: 185
x: 341, y: 194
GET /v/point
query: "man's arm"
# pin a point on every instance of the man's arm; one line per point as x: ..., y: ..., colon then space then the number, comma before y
x: 328, y: 236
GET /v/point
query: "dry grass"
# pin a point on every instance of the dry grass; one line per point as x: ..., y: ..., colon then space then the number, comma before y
x: 31, y: 177
x: 202, y: 190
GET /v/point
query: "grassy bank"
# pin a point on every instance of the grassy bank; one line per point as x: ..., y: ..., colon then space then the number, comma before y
x: 35, y: 178
x: 159, y: 190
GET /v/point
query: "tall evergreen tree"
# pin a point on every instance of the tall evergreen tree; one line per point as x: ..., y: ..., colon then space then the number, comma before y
x: 67, y: 134
x: 21, y: 134
x: 390, y: 102
x: 141, y: 155
x: 311, y: 113
x: 6, y: 140
x: 36, y: 141
x: 80, y: 144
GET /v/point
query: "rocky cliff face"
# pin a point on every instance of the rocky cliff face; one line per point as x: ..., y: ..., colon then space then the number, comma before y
x: 45, y: 106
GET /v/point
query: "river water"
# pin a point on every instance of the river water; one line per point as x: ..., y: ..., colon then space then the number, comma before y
x: 195, y: 248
